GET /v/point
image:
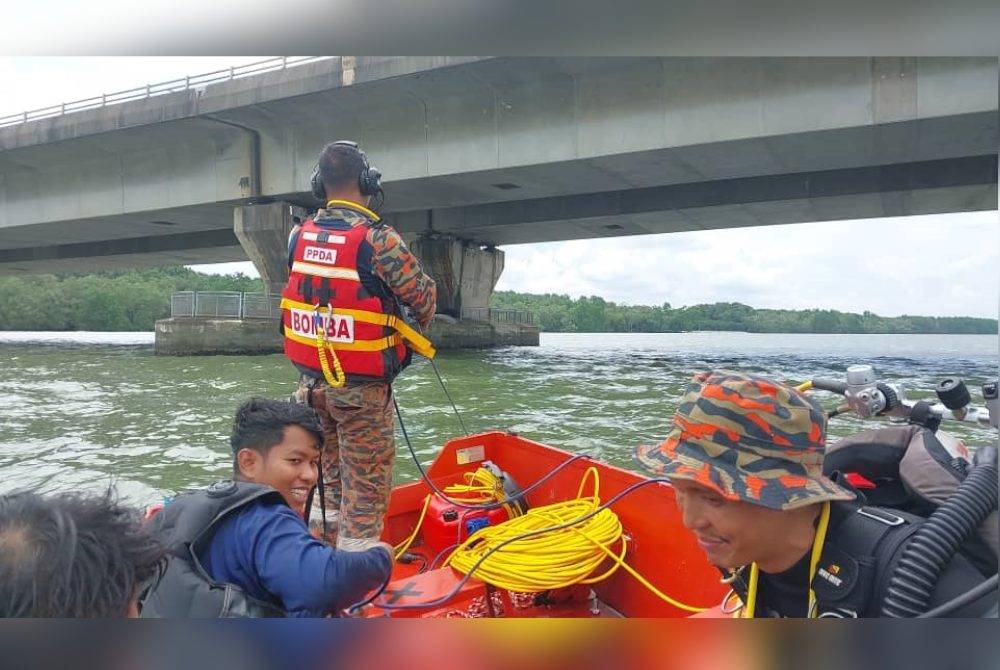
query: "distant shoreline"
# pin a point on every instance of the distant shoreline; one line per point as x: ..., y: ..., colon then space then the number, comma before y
x: 133, y: 300
x: 560, y: 313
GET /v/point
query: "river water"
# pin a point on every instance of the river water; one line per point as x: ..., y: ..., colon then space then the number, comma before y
x: 82, y: 410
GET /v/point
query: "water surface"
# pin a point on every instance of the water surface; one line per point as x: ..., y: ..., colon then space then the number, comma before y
x: 80, y: 410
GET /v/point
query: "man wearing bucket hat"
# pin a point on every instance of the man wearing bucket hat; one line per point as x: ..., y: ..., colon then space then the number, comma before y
x: 745, y: 459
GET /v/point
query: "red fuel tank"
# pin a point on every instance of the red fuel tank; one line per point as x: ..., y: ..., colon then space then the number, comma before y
x: 447, y: 525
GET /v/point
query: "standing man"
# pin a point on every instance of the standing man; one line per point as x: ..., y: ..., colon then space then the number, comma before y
x: 342, y: 315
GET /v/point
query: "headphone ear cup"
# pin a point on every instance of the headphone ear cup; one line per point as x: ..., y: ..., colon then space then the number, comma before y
x: 316, y: 184
x: 370, y: 181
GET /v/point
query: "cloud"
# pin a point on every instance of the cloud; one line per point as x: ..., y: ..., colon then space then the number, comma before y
x: 937, y: 265
x: 941, y: 265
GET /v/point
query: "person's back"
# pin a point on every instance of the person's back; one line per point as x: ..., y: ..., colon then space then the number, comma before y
x: 73, y: 556
x: 353, y: 286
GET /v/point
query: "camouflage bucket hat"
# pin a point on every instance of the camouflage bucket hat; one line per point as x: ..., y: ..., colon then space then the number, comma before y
x: 747, y: 438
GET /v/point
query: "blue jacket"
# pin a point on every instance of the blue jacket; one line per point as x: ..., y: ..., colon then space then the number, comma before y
x: 266, y: 549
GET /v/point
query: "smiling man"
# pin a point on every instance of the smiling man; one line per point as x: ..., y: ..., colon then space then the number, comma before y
x: 242, y: 547
x: 745, y: 459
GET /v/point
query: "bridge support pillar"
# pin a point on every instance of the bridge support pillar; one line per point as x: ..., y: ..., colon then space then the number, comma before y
x: 263, y: 233
x: 465, y: 272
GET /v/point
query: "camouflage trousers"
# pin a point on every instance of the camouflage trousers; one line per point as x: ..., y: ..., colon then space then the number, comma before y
x: 358, y: 454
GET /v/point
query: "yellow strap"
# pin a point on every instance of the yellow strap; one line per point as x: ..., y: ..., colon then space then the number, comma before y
x: 417, y: 342
x: 357, y: 345
x: 324, y: 271
x: 353, y: 205
x: 362, y: 315
x: 817, y: 551
x: 750, y: 606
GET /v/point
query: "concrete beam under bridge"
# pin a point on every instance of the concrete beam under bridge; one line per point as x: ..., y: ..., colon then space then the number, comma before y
x: 902, y: 189
x: 465, y: 272
x: 263, y: 233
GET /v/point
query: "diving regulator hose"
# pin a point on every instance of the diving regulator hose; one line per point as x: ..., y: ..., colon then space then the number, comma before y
x: 937, y: 540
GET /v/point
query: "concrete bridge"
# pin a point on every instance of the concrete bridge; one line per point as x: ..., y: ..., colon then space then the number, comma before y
x: 482, y: 152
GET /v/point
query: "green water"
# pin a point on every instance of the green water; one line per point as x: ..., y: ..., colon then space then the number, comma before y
x: 82, y: 414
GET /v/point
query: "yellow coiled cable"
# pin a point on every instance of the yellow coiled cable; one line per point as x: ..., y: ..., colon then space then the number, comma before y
x: 555, y: 559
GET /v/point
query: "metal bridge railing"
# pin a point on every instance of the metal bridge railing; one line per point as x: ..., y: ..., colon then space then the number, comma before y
x: 520, y: 317
x: 225, y: 304
x: 161, y: 88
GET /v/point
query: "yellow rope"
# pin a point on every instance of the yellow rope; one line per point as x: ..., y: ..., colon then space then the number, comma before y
x: 401, y: 548
x: 336, y: 378
x: 557, y: 558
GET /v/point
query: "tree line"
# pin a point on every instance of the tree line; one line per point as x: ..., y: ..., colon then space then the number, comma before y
x: 105, y: 301
x: 128, y: 300
x: 562, y: 314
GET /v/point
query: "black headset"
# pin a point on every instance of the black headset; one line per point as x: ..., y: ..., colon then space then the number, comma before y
x: 369, y: 181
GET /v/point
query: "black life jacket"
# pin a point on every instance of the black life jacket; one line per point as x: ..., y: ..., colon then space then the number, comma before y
x: 862, y: 549
x: 186, y: 526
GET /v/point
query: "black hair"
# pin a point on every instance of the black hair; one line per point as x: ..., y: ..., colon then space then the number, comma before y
x: 260, y: 425
x: 340, y: 165
x: 72, y: 555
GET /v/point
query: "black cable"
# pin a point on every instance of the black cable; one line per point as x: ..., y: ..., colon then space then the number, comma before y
x: 465, y: 431
x: 973, y: 594
x: 370, y: 599
x: 441, y: 553
x: 485, y: 506
x: 377, y: 202
x: 322, y: 493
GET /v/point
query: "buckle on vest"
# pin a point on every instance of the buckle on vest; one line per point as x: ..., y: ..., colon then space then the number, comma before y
x: 222, y: 488
x: 881, y: 516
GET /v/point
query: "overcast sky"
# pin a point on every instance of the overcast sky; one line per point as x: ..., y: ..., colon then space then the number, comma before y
x: 942, y: 265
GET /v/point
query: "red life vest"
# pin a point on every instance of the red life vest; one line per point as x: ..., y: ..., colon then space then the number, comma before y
x: 332, y: 283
